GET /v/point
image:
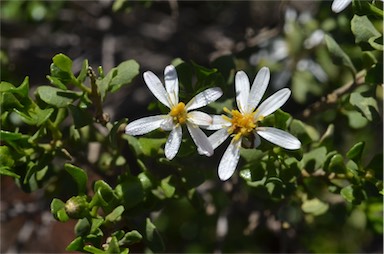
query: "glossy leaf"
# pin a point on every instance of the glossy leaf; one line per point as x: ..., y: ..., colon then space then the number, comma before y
x: 35, y: 115
x: 152, y: 237
x: 365, y: 31
x: 57, y: 97
x: 314, y: 159
x: 79, y: 176
x: 131, y: 237
x: 337, y: 164
x: 76, y: 245
x: 356, y: 151
x: 367, y: 105
x: 167, y: 187
x: 314, y: 206
x: 94, y: 250
x: 82, y: 227
x: 121, y: 75
x: 115, y: 215
x: 83, y: 71
x: 81, y: 117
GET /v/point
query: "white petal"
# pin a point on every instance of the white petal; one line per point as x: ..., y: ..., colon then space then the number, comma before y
x: 200, y: 139
x: 173, y: 143
x: 167, y: 124
x: 339, y: 5
x: 144, y: 125
x: 273, y: 102
x: 218, y: 137
x: 218, y: 122
x: 229, y: 160
x: 172, y: 83
x: 154, y: 84
x: 242, y: 91
x: 205, y: 97
x: 199, y: 118
x: 279, y: 137
x: 258, y: 88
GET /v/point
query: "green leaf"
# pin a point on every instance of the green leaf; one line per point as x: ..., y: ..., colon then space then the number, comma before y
x: 79, y: 176
x: 337, y: 164
x: 338, y: 55
x: 305, y: 133
x: 21, y: 90
x: 131, y: 237
x: 6, y: 159
x: 104, y: 195
x: 281, y: 119
x: 10, y: 136
x: 7, y: 171
x: 61, y: 68
x: 83, y: 72
x: 82, y: 227
x: 356, y: 120
x: 314, y: 206
x: 152, y: 237
x: 113, y: 246
x: 62, y: 216
x: 367, y: 105
x: 63, y: 62
x: 314, y: 159
x: 81, y: 117
x: 150, y: 147
x: 115, y: 215
x: 58, y: 210
x: 168, y: 188
x: 116, y: 132
x: 57, y: 97
x: 96, y: 223
x: 352, y: 194
x: 131, y: 190
x: 56, y: 82
x: 57, y: 205
x: 117, y: 77
x: 35, y: 115
x: 356, y: 151
x: 365, y: 32
x: 94, y: 250
x: 76, y: 245
x: 126, y: 72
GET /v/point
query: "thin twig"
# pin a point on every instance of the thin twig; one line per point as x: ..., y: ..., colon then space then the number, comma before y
x: 332, y: 98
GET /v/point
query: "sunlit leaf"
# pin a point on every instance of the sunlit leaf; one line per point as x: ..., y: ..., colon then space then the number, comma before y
x: 314, y: 206
x: 57, y: 97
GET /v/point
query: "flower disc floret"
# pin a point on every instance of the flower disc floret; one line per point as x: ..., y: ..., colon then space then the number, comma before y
x: 241, y: 124
x: 179, y: 113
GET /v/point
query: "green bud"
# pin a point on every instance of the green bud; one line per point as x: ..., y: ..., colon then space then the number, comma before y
x: 77, y: 207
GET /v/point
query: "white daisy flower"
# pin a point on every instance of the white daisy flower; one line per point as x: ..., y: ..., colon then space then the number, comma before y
x: 340, y: 5
x: 179, y: 114
x: 242, y: 125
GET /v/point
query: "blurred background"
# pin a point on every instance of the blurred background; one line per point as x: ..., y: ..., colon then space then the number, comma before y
x: 284, y: 35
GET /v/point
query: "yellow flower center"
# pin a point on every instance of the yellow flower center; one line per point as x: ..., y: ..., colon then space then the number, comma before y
x: 242, y: 124
x: 178, y: 113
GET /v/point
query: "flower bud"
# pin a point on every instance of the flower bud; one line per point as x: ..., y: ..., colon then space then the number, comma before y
x: 77, y: 207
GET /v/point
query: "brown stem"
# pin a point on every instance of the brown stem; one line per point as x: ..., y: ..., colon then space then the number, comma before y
x: 100, y: 116
x: 331, y: 98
